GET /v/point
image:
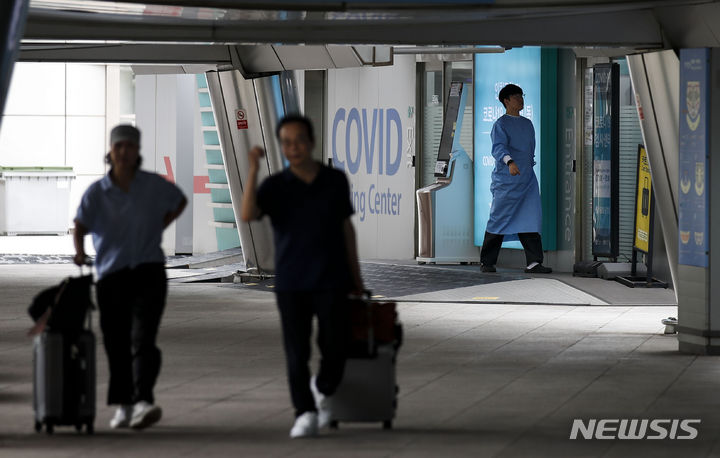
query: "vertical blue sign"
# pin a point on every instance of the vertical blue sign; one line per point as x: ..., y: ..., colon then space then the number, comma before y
x: 519, y: 66
x: 602, y: 161
x: 693, y: 151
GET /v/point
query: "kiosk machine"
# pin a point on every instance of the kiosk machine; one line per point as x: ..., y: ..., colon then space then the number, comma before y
x: 445, y: 208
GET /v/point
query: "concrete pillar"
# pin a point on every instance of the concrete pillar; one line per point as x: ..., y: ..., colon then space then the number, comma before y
x: 184, y: 158
x: 12, y: 24
x: 699, y: 142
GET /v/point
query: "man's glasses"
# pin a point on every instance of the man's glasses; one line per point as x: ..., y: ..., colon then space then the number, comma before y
x: 288, y: 143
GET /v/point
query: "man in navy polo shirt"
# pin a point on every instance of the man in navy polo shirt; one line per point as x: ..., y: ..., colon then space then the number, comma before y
x: 316, y: 265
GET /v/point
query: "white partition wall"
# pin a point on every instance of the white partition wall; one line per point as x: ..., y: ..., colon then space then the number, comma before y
x: 56, y: 115
x: 164, y: 109
x: 370, y: 135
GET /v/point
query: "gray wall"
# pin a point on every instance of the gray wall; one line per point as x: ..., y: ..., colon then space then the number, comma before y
x: 566, y: 142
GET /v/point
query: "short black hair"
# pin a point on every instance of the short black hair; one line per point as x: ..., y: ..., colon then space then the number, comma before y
x: 507, y: 91
x: 298, y: 119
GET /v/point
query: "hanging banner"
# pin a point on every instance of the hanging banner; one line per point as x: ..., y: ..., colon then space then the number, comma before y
x: 693, y: 151
x: 606, y: 151
x: 643, y: 203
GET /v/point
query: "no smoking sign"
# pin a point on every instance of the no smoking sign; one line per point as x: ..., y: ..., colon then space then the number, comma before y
x: 241, y: 118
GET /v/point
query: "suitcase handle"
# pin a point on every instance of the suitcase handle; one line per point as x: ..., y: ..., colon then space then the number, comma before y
x: 366, y: 294
x: 87, y: 262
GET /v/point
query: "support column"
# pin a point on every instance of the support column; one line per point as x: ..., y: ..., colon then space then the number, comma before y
x: 184, y: 157
x: 246, y: 113
x: 655, y: 83
x: 699, y: 214
x: 12, y: 25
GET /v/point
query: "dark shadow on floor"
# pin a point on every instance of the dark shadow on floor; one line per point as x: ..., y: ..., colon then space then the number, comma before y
x: 391, y: 280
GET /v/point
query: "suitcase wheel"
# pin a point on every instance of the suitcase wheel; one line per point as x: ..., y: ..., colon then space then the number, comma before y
x: 387, y: 424
x: 78, y: 427
x: 89, y: 428
x: 38, y: 426
x: 334, y: 424
x: 49, y: 427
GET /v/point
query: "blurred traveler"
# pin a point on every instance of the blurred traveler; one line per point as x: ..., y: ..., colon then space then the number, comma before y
x: 126, y: 212
x: 316, y: 265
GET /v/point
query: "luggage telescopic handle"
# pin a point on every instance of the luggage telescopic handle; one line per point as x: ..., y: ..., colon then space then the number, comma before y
x: 87, y: 262
x: 366, y: 294
x: 365, y: 298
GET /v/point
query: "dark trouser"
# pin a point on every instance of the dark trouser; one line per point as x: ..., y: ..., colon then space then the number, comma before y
x: 531, y: 242
x: 131, y: 304
x: 296, y: 313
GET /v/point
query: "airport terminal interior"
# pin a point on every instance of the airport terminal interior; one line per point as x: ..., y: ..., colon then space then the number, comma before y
x: 613, y: 353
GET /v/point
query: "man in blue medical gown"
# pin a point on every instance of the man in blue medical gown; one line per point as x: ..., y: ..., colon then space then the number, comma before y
x: 516, y: 207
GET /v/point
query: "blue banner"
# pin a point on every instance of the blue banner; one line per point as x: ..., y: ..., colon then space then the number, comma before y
x: 602, y: 161
x: 520, y: 66
x: 693, y: 151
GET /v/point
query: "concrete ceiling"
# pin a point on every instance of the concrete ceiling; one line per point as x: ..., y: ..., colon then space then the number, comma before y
x: 592, y: 27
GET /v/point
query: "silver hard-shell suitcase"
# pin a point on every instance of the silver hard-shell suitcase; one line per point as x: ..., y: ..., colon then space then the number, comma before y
x: 64, y: 356
x: 64, y: 381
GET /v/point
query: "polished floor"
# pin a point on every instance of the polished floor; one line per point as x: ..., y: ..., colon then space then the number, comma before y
x: 476, y: 379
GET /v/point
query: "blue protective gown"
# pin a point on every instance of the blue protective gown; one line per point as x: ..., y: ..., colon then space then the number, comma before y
x: 516, y: 204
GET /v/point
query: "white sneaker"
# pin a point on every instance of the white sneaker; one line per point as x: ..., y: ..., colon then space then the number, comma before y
x: 145, y: 414
x: 122, y: 417
x: 322, y: 403
x: 306, y: 425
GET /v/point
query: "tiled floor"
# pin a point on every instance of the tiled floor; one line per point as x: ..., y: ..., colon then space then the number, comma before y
x: 476, y: 379
x: 466, y: 284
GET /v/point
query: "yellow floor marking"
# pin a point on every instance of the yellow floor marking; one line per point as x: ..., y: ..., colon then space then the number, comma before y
x: 486, y: 298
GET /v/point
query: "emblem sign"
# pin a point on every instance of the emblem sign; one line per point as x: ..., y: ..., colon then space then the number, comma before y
x: 699, y: 178
x: 692, y: 97
x: 694, y: 135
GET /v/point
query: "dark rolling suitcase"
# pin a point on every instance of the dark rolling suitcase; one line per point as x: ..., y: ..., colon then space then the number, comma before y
x: 64, y: 357
x: 368, y: 390
x: 64, y: 381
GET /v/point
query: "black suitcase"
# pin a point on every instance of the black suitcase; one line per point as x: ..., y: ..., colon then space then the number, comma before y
x: 64, y: 357
x: 64, y: 381
x: 368, y: 390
